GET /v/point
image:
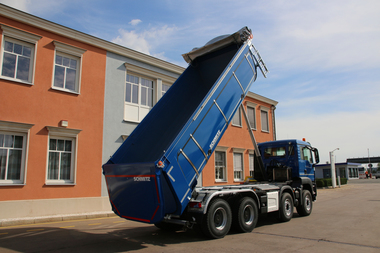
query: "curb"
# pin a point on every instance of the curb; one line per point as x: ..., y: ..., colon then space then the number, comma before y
x: 53, y: 218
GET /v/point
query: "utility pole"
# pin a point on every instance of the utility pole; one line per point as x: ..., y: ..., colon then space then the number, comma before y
x: 332, y: 162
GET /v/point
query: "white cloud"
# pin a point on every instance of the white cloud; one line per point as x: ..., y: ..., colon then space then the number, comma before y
x: 135, y: 22
x: 19, y: 4
x: 146, y: 41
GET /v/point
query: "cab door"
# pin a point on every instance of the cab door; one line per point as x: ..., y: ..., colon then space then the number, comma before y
x: 306, y: 163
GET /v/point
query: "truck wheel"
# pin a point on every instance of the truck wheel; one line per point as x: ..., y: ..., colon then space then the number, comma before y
x: 307, y: 204
x: 217, y: 220
x: 246, y: 215
x: 286, y: 207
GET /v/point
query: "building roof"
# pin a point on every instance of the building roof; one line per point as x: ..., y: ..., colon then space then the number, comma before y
x: 262, y: 98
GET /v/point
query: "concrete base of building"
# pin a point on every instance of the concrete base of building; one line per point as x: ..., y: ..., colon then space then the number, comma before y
x: 19, y: 212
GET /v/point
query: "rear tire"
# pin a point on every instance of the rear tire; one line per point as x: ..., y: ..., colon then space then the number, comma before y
x: 286, y: 207
x: 246, y: 215
x: 307, y: 204
x: 217, y: 220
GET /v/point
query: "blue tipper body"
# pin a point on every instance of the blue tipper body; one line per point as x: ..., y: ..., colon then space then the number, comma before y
x: 155, y: 170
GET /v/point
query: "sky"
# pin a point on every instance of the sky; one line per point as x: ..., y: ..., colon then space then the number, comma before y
x: 323, y: 56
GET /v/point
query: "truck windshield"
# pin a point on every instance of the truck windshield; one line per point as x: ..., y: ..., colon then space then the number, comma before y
x: 278, y: 152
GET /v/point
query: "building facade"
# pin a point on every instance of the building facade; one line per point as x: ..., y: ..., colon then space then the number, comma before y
x: 51, y: 118
x: 68, y: 100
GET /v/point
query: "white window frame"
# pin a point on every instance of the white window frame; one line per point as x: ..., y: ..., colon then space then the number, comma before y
x: 251, y: 163
x: 140, y: 110
x: 21, y: 129
x: 237, y: 117
x: 225, y: 172
x: 147, y: 73
x: 252, y: 106
x: 24, y: 38
x: 70, y: 52
x: 236, y: 168
x: 266, y: 110
x: 63, y: 134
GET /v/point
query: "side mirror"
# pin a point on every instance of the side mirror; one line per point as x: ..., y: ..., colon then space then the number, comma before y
x: 316, y: 154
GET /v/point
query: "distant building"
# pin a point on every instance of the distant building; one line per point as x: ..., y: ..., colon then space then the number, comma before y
x: 344, y: 170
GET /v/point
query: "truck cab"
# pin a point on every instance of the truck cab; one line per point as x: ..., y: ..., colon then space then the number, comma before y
x: 288, y: 160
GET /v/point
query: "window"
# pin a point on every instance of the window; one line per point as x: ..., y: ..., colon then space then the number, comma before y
x: 220, y: 166
x: 251, y: 165
x: 264, y: 121
x: 65, y: 72
x: 236, y: 120
x: 13, y: 152
x: 306, y: 155
x: 165, y: 88
x: 251, y: 116
x: 61, y: 167
x: 238, y: 167
x: 67, y: 67
x: 138, y: 97
x: 275, y: 151
x: 18, y: 53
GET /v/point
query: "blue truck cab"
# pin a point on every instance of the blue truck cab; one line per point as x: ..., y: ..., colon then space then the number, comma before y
x: 289, y: 160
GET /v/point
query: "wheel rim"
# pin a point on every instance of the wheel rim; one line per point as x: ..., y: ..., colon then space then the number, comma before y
x: 307, y: 203
x: 220, y: 218
x: 288, y: 209
x: 248, y: 214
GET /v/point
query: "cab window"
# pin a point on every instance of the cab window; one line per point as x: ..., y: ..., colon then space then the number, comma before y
x: 306, y: 155
x: 278, y: 152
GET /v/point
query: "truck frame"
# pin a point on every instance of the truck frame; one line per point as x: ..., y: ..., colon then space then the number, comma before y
x: 152, y: 177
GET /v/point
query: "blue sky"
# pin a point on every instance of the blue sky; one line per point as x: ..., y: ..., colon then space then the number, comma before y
x: 323, y: 56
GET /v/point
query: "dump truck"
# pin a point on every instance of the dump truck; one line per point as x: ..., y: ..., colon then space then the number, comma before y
x: 152, y: 177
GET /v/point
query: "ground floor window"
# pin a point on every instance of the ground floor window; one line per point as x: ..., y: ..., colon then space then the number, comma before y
x: 220, y: 166
x: 61, y: 166
x: 238, y: 167
x: 251, y: 165
x: 12, y: 157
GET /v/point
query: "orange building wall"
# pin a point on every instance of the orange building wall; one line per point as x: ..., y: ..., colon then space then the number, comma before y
x: 238, y: 137
x: 38, y: 104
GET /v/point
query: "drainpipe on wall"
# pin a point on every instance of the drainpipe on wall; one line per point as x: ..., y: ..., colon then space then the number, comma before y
x: 273, y: 122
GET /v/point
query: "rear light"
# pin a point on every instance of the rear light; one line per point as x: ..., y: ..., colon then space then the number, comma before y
x: 195, y: 205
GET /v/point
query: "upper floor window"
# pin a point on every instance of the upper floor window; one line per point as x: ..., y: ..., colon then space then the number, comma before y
x: 138, y: 97
x: 13, y: 152
x: 67, y: 67
x: 165, y: 88
x: 251, y: 116
x: 236, y: 120
x: 264, y: 121
x: 18, y: 54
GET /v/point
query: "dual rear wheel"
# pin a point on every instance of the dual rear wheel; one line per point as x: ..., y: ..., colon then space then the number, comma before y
x: 219, y: 217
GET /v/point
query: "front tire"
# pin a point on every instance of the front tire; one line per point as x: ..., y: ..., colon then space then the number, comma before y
x: 246, y: 215
x: 307, y: 204
x: 286, y: 207
x: 217, y: 220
